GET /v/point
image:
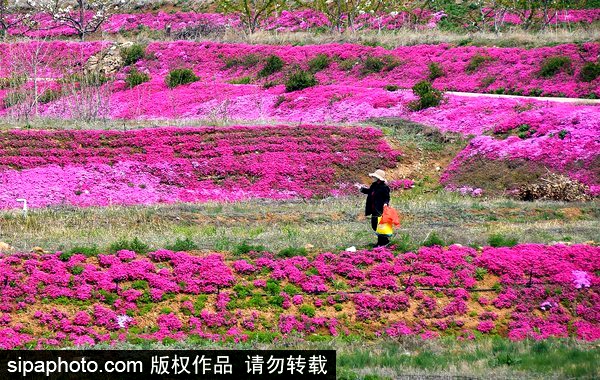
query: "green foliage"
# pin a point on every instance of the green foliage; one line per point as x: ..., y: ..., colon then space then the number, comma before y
x: 562, y: 134
x: 242, y: 80
x: 186, y: 244
x: 244, y: 248
x: 307, y: 310
x: 428, y: 96
x: 13, y: 98
x: 435, y: 71
x: 178, y: 77
x: 391, y: 87
x: 85, y: 250
x: 480, y: 273
x: 77, y: 270
x: 347, y: 64
x: 476, y: 62
x: 590, y: 71
x: 132, y: 54
x: 272, y: 65
x: 377, y: 64
x: 49, y: 95
x: 135, y: 245
x: 14, y: 81
x: 299, y: 81
x: 139, y: 284
x: 433, y: 239
x: 109, y: 297
x: 200, y: 303
x: 272, y: 287
x: 269, y: 84
x: 318, y: 63
x: 553, y: 65
x: 293, y: 251
x: 292, y: 290
x: 246, y: 61
x: 135, y: 77
x: 403, y: 243
x: 242, y: 291
x: 499, y: 240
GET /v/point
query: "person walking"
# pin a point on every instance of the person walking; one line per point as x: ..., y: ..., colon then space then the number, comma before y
x: 378, y: 196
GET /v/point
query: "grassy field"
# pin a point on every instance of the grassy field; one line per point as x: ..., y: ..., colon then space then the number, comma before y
x: 326, y: 224
x: 444, y: 358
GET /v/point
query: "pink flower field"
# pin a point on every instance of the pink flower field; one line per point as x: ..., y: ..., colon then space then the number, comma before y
x: 528, y: 291
x: 286, y: 21
x: 167, y: 165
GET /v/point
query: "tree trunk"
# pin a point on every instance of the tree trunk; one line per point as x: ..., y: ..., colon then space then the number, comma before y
x: 82, y: 19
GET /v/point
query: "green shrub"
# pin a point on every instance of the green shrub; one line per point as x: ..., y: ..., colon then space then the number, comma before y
x: 428, y: 96
x: 499, y: 240
x: 87, y: 251
x: 272, y: 65
x: 247, y: 61
x: 590, y: 71
x: 184, y: 245
x: 480, y: 273
x: 292, y: 251
x: 347, y: 64
x: 244, y: 248
x: 299, y: 81
x: 391, y: 87
x: 132, y: 54
x: 272, y: 287
x: 435, y: 71
x: 242, y: 80
x: 318, y: 63
x: 476, y: 62
x: 14, y: 81
x: 433, y: 239
x: 269, y: 84
x: 307, y: 310
x: 139, y: 284
x: 49, y: 95
x: 13, y: 98
x: 135, y: 77
x: 135, y: 245
x: 372, y: 65
x: 553, y: 65
x: 178, y: 77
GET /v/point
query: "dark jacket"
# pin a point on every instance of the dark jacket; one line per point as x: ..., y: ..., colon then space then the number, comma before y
x: 378, y: 194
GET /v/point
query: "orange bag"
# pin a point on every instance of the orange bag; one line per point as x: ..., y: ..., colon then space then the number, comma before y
x: 390, y: 216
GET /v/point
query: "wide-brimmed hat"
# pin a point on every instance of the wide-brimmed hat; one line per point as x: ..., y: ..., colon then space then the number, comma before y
x: 379, y: 174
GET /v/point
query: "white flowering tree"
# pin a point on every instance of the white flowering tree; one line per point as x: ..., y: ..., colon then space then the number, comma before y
x: 85, y: 16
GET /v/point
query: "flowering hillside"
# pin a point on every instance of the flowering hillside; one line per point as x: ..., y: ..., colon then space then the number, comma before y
x: 166, y: 165
x: 529, y: 290
x: 286, y: 21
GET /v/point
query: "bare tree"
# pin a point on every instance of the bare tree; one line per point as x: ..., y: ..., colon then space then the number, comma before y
x: 251, y: 12
x: 85, y: 16
x: 29, y: 61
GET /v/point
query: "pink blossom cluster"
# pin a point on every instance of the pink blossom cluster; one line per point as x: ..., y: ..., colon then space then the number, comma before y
x: 115, y: 290
x: 168, y: 165
x: 173, y: 21
x: 554, y: 17
x: 514, y: 69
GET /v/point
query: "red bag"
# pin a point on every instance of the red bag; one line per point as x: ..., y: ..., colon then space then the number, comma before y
x: 390, y: 216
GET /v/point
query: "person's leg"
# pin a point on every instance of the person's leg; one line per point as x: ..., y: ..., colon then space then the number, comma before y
x: 374, y: 222
x: 383, y: 240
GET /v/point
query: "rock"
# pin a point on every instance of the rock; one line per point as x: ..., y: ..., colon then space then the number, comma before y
x: 39, y: 250
x: 556, y: 187
x: 4, y: 247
